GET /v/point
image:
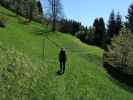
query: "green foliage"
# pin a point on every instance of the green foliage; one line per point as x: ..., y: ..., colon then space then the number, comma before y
x: 39, y: 5
x: 114, y: 26
x: 69, y: 26
x: 86, y: 35
x: 100, y: 32
x: 111, y: 24
x: 26, y: 8
x: 2, y: 22
x: 130, y: 17
x: 119, y: 23
x: 120, y: 54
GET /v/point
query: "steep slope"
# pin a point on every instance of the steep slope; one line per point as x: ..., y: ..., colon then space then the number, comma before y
x: 22, y: 5
x: 84, y: 79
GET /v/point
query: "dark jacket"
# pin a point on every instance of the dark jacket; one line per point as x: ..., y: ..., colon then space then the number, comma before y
x: 62, y: 55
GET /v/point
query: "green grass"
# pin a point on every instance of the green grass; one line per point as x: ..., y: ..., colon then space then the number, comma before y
x: 84, y: 79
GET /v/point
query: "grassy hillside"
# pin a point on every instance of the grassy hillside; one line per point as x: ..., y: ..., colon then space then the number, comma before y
x: 84, y: 79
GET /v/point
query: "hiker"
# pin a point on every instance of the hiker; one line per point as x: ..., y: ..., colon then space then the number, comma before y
x: 62, y: 60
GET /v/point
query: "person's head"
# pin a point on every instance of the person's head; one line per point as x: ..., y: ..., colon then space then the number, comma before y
x: 62, y: 49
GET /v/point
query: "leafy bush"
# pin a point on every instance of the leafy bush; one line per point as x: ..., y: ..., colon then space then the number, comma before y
x: 2, y: 22
x: 120, y: 54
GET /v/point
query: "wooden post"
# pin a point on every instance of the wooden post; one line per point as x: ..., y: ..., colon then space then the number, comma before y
x: 43, y: 46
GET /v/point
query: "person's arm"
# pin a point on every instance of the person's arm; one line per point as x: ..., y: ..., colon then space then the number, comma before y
x: 65, y: 55
x: 59, y: 55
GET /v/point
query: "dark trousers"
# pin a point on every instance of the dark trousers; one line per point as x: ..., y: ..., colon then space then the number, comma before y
x: 62, y: 66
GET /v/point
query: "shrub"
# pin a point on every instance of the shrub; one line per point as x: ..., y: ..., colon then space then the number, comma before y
x: 16, y: 75
x: 2, y: 22
x: 120, y: 54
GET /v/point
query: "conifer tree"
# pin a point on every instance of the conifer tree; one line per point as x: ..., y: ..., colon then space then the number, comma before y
x: 118, y: 23
x: 130, y: 17
x: 111, y: 24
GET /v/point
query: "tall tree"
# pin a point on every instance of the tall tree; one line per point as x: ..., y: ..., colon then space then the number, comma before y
x: 39, y: 5
x: 102, y: 32
x: 118, y: 23
x: 32, y: 4
x: 76, y: 27
x: 114, y: 25
x: 54, y: 12
x: 18, y: 3
x: 130, y: 17
x: 111, y: 28
x: 97, y: 35
x: 111, y: 24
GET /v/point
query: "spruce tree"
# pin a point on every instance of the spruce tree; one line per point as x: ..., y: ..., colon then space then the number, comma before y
x: 102, y: 32
x: 118, y: 23
x: 111, y: 28
x: 97, y: 35
x: 111, y: 24
x: 130, y: 17
x: 39, y: 5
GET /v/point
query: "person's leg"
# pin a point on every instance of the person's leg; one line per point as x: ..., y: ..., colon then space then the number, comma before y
x: 60, y: 66
x: 63, y: 66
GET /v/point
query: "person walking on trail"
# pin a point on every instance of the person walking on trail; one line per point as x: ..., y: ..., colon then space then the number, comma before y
x: 62, y: 60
